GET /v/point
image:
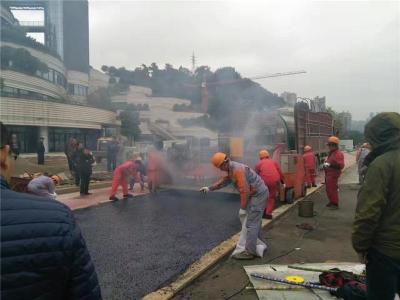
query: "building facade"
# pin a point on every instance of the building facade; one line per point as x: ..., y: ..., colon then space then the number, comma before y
x: 44, y: 88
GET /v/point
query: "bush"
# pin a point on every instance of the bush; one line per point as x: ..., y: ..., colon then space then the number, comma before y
x: 19, y: 59
x: 18, y: 36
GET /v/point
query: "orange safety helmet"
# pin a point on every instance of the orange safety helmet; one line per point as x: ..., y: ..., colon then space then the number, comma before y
x: 218, y: 159
x: 56, y: 179
x: 263, y: 154
x: 333, y: 139
x: 307, y: 148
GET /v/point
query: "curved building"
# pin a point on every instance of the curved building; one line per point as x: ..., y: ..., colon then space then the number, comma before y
x: 44, y: 88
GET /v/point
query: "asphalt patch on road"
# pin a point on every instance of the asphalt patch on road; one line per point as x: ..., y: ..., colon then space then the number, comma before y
x: 142, y: 244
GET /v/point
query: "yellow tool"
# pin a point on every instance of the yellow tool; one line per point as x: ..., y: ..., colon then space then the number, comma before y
x: 295, y: 279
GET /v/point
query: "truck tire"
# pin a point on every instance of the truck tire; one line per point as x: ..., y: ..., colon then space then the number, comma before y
x: 289, y: 196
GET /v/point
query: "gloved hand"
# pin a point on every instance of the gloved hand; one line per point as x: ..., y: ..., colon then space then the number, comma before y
x: 242, y: 214
x: 326, y: 165
x: 205, y: 189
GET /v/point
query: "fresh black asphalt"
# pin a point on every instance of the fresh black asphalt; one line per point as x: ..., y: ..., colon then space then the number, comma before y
x: 141, y: 244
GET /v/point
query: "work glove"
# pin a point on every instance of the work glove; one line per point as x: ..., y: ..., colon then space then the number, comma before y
x: 242, y: 214
x: 326, y: 165
x: 205, y: 189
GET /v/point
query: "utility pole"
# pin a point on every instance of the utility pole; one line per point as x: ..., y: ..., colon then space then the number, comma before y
x: 193, y: 58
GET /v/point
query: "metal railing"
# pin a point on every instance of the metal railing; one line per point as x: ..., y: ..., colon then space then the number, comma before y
x: 32, y: 23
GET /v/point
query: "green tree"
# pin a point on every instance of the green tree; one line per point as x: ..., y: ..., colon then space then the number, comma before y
x: 130, y: 124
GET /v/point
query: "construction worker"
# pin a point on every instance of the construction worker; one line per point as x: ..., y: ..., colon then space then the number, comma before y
x: 271, y: 174
x: 333, y: 167
x: 253, y: 193
x: 44, y: 186
x: 376, y: 228
x: 153, y: 170
x: 122, y: 173
x: 309, y: 166
x: 360, y: 158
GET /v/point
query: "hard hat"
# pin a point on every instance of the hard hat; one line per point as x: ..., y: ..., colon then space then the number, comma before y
x: 218, y: 159
x: 56, y: 179
x: 307, y: 148
x: 263, y: 154
x: 333, y: 139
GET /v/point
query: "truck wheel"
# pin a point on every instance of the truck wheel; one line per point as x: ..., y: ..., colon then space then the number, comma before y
x: 289, y: 196
x: 278, y: 195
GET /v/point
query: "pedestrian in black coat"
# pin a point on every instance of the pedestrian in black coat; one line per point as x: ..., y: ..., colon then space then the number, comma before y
x: 112, y: 152
x: 40, y: 151
x: 43, y: 253
x: 75, y: 160
x: 85, y: 162
x: 15, y: 146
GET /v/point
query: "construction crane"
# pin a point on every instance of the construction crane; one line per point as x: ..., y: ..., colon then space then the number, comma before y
x: 204, y: 84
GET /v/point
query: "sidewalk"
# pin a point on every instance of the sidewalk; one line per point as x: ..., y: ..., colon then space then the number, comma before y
x: 329, y: 241
x: 98, y: 196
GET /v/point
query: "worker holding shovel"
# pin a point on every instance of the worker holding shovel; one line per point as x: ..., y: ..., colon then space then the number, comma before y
x: 253, y: 193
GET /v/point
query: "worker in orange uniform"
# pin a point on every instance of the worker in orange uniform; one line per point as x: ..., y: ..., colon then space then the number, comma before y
x: 122, y: 173
x: 333, y: 167
x: 271, y: 174
x: 309, y: 166
x: 253, y: 193
x: 153, y: 170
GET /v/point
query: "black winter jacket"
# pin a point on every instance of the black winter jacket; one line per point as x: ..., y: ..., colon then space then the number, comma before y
x: 43, y: 254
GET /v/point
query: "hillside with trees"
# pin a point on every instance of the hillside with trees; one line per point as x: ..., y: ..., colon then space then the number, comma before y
x: 231, y: 97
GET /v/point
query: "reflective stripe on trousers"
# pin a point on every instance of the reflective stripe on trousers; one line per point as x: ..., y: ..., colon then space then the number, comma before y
x: 255, y: 210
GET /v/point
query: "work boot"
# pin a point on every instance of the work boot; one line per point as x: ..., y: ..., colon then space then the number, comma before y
x: 333, y: 206
x: 245, y: 255
x: 113, y: 198
x: 314, y: 185
x: 128, y: 196
x: 267, y: 216
x: 329, y: 204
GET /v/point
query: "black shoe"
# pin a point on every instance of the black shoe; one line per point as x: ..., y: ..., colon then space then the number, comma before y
x: 88, y: 193
x: 329, y: 204
x: 314, y: 185
x: 128, y: 196
x: 267, y: 216
x: 113, y: 198
x: 334, y: 207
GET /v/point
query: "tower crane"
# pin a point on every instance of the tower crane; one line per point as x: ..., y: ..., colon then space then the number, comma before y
x: 204, y: 84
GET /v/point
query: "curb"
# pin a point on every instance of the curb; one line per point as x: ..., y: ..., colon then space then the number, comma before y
x: 93, y: 186
x: 215, y: 255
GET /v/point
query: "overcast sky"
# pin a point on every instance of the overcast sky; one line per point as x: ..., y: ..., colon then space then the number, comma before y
x: 350, y: 50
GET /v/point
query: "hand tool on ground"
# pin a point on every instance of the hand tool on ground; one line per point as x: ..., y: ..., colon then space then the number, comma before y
x: 304, y: 284
x: 275, y: 288
x: 358, y: 276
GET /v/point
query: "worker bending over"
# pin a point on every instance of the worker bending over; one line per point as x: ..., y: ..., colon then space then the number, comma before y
x: 253, y: 193
x: 122, y: 173
x: 333, y: 167
x: 271, y: 174
x: 309, y: 166
x: 44, y: 186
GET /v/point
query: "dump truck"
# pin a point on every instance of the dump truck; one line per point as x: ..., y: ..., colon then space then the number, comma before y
x: 284, y: 132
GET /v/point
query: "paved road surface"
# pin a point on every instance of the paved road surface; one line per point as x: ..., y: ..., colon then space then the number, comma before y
x: 141, y: 244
